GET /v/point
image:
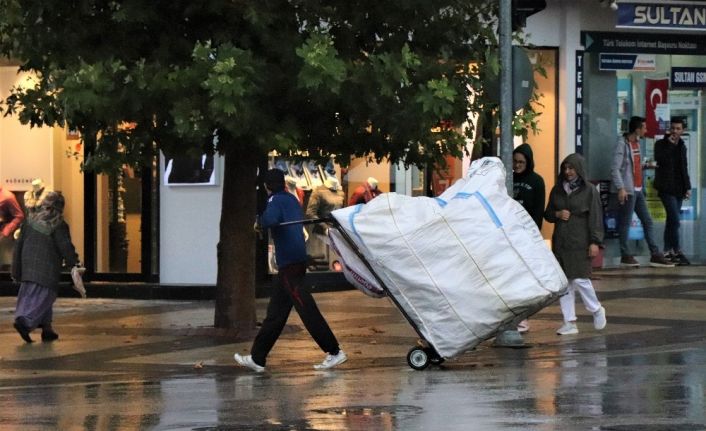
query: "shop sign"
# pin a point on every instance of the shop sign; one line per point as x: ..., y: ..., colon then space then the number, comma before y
x: 648, y: 43
x: 662, y: 15
x: 578, y: 144
x: 688, y: 77
x: 636, y: 62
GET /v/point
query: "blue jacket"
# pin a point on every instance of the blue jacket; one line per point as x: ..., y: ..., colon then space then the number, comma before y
x: 289, y: 240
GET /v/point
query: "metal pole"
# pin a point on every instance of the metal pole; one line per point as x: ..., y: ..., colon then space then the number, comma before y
x: 508, y: 336
x: 506, y: 113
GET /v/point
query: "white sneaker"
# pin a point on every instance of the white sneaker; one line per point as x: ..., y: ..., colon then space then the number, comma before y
x: 599, y: 320
x: 523, y: 326
x: 246, y: 361
x: 332, y: 360
x: 568, y: 328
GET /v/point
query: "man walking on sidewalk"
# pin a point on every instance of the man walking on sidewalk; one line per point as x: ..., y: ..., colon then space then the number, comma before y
x: 626, y: 176
x: 290, y: 252
x: 673, y: 184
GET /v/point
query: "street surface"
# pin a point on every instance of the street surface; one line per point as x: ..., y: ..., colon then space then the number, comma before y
x: 159, y: 365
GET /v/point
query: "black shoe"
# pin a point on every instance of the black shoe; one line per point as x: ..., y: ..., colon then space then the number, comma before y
x: 23, y: 331
x: 49, y: 335
x: 659, y: 261
x: 680, y: 260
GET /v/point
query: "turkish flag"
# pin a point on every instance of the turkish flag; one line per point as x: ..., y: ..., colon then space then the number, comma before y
x: 655, y: 94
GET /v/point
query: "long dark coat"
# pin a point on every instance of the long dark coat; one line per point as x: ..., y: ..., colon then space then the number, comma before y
x: 38, y: 255
x: 572, y: 238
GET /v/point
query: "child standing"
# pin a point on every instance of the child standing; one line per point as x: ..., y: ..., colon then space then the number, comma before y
x: 575, y: 209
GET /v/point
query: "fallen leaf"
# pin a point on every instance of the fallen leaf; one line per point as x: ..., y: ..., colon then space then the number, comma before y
x: 198, y: 365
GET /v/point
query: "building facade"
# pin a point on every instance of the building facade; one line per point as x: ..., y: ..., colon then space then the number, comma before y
x: 605, y: 61
x: 630, y: 58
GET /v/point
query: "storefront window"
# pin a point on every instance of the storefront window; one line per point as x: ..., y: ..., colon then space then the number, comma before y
x: 324, y: 187
x: 119, y: 209
x: 118, y: 233
x: 36, y: 160
x: 618, y: 86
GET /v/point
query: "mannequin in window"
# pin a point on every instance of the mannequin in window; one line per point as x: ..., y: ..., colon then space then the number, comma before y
x: 323, y: 200
x: 365, y: 192
x: 292, y: 188
x: 11, y: 216
x: 33, y: 198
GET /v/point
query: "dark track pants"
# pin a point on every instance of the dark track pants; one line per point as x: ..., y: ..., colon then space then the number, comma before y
x: 289, y: 292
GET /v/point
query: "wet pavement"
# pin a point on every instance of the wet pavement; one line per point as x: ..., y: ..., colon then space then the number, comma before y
x: 142, y: 365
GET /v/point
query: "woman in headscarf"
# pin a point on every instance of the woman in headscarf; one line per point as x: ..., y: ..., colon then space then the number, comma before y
x: 44, y: 244
x: 575, y: 209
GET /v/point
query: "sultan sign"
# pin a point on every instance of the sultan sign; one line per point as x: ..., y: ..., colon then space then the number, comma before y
x: 688, y: 77
x: 662, y: 15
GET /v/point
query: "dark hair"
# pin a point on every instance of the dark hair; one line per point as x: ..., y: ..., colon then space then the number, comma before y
x: 634, y: 124
x: 274, y: 180
x: 679, y: 120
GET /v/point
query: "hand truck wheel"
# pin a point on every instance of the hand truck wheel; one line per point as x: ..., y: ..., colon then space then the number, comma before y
x: 418, y: 358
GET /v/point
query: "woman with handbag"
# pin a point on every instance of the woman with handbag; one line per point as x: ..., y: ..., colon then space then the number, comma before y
x: 44, y: 244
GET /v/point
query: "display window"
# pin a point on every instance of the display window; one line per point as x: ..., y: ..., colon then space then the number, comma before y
x: 659, y: 87
x: 322, y: 188
x: 110, y: 216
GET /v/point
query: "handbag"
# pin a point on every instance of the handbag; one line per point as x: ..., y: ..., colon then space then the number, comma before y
x: 77, y: 278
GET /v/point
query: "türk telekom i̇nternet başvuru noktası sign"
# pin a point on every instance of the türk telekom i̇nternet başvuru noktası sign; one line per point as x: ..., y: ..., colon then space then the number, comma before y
x: 662, y: 15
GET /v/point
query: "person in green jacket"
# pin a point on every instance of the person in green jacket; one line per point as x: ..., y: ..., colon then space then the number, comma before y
x: 528, y: 190
x: 574, y: 207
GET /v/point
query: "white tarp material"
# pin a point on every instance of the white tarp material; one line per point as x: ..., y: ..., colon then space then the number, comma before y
x: 460, y: 265
x: 354, y: 269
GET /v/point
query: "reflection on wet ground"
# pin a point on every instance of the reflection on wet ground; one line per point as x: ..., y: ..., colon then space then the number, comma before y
x: 137, y: 365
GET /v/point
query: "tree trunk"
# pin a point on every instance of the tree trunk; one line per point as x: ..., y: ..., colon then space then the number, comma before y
x: 235, y: 284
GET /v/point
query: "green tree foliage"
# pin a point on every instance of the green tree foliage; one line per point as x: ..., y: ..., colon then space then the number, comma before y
x: 342, y: 78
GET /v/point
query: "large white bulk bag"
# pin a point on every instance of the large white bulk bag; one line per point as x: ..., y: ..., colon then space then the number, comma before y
x: 354, y: 269
x: 461, y: 265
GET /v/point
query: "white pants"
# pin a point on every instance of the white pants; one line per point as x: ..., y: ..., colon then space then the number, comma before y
x: 588, y: 295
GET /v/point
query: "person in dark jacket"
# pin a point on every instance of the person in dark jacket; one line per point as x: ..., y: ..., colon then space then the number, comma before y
x: 575, y: 209
x: 528, y: 190
x: 290, y: 252
x: 44, y: 244
x: 674, y: 186
x: 528, y: 186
